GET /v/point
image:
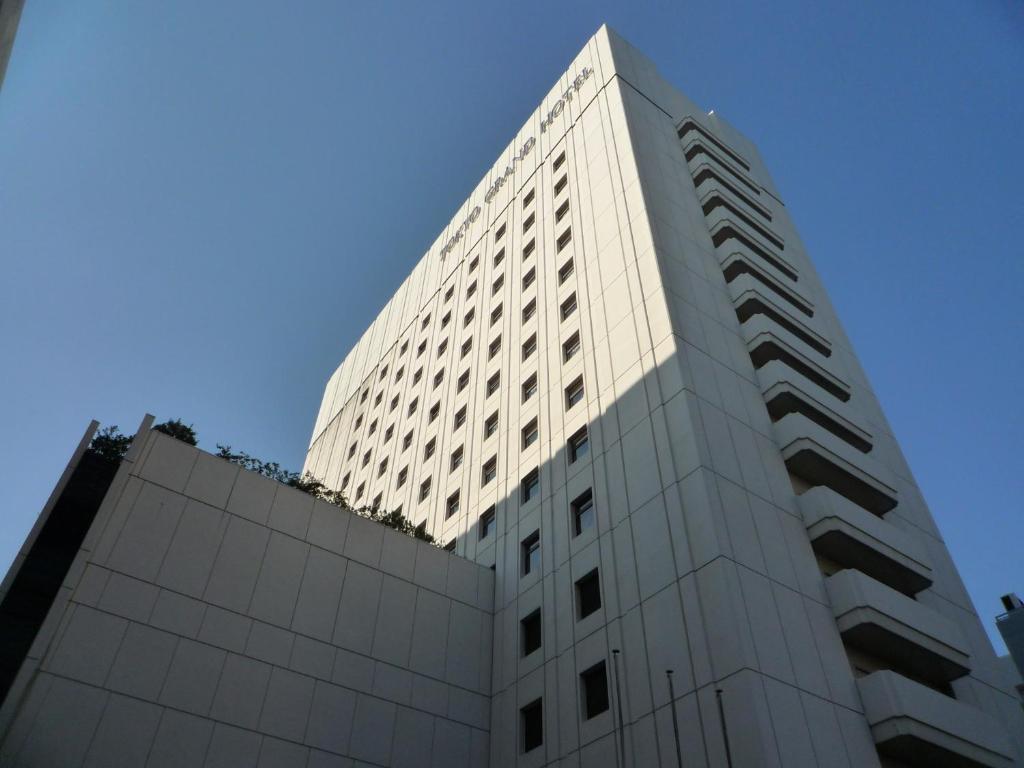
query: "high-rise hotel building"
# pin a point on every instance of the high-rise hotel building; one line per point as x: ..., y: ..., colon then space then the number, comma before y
x: 617, y: 379
x: 681, y: 531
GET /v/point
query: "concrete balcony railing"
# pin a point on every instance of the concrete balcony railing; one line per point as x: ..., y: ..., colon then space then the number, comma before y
x: 768, y: 341
x: 790, y: 396
x: 727, y: 230
x: 855, y: 538
x: 891, y: 626
x: 820, y: 458
x: 739, y: 262
x: 920, y: 727
x: 752, y: 298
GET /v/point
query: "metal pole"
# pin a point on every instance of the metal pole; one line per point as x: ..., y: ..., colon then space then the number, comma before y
x: 725, y: 731
x: 675, y: 718
x: 618, y: 696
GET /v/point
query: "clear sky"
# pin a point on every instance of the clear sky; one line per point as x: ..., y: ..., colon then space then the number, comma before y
x: 204, y: 204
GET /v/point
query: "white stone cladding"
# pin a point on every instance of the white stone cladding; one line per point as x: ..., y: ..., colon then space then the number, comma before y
x: 697, y: 306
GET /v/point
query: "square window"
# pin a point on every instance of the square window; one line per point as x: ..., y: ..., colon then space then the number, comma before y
x: 460, y: 417
x: 497, y: 284
x: 528, y: 199
x: 438, y: 378
x: 399, y: 374
x: 362, y: 397
x: 378, y: 398
x: 531, y: 726
x: 366, y: 458
x: 487, y: 523
x: 383, y: 373
x: 500, y: 233
x: 491, y: 425
x: 394, y: 403
x: 469, y: 317
x: 490, y: 470
x: 494, y: 348
x: 529, y: 387
x: 582, y: 511
x: 588, y: 595
x: 564, y: 239
x: 561, y: 184
x: 530, y: 346
x: 529, y: 221
x: 471, y: 290
x: 530, y: 246
x: 474, y: 263
x: 563, y: 209
x: 359, y: 491
x: 382, y: 468
x: 450, y: 546
x: 568, y: 307
x: 449, y: 293
x: 558, y: 162
x: 425, y: 323
x: 451, y: 506
x: 435, y: 411
x: 359, y: 421
x: 530, y: 433
x: 467, y: 346
x: 417, y: 376
x: 403, y: 475
x: 421, y: 348
x: 529, y: 310
x: 428, y: 449
x: 574, y: 393
x: 424, y: 489
x: 442, y: 347
x: 345, y: 480
x: 446, y: 319
x: 405, y: 347
x: 499, y: 257
x: 579, y: 445
x: 407, y: 441
x: 566, y: 271
x: 373, y: 426
x: 530, y: 553
x: 463, y: 381
x: 352, y: 450
x: 456, y: 460
x: 571, y: 347
x: 494, y: 383
x: 412, y: 406
x: 530, y: 633
x: 594, y: 687
x: 529, y: 277
x: 496, y: 314
x: 531, y: 487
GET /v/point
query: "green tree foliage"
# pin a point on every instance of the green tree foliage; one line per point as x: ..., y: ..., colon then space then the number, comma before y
x: 177, y: 429
x: 110, y: 445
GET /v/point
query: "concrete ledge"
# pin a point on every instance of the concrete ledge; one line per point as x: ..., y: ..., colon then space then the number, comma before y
x: 768, y: 341
x: 751, y: 298
x: 740, y: 262
x: 727, y: 229
x: 921, y: 727
x: 785, y: 397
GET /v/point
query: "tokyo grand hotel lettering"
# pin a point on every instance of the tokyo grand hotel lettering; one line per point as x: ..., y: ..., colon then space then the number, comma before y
x: 615, y: 391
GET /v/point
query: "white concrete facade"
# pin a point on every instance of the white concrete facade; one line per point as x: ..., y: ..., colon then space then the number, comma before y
x: 738, y: 460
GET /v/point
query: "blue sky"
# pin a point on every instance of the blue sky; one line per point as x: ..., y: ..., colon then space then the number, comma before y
x: 202, y: 205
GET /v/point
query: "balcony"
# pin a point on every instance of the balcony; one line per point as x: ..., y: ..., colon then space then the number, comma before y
x: 819, y: 458
x: 728, y: 230
x: 750, y: 298
x: 739, y: 264
x: 768, y: 341
x: 891, y: 626
x: 914, y: 724
x: 855, y: 538
x: 787, y: 396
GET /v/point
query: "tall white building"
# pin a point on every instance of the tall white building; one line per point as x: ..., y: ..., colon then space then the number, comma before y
x: 616, y: 379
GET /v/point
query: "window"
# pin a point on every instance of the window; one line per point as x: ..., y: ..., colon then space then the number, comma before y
x: 456, y: 460
x: 362, y: 397
x: 383, y: 373
x: 435, y: 411
x: 359, y: 421
x: 530, y: 433
x: 574, y: 393
x: 579, y: 445
x: 529, y: 277
x: 451, y: 506
x: 469, y: 317
x: 359, y: 491
x: 594, y: 687
x: 486, y: 525
x: 499, y: 257
x: 421, y: 348
x: 407, y: 441
x: 529, y: 387
x: 449, y: 293
x: 352, y: 450
x: 564, y: 239
x: 491, y: 425
x: 529, y: 633
x: 417, y: 376
x: 529, y: 221
x: 529, y: 550
x: 412, y: 406
x: 568, y: 307
x: 561, y: 183
x: 530, y: 310
x: 497, y: 284
x: 490, y: 470
x: 428, y: 449
x: 345, y: 480
x: 531, y: 725
x: 588, y: 595
x: 563, y: 209
x: 382, y: 468
x: 366, y: 458
x: 494, y: 383
x: 438, y: 378
x: 446, y: 319
x: 399, y: 374
x: 471, y: 290
x: 425, y: 323
x: 463, y: 381
x: 565, y: 272
x: 494, y: 348
x: 389, y: 433
x: 405, y: 347
x: 496, y: 314
x: 530, y: 346
x: 528, y: 199
x: 467, y: 345
x: 529, y: 249
x: 582, y: 511
x: 373, y: 426
x: 376, y: 500
x: 474, y: 263
x: 571, y: 347
x: 450, y: 546
x: 500, y: 233
x: 531, y: 487
x: 378, y: 398
x: 394, y: 403
x: 424, y: 489
x: 460, y: 417
x: 442, y: 347
x: 403, y: 475
x: 558, y: 162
